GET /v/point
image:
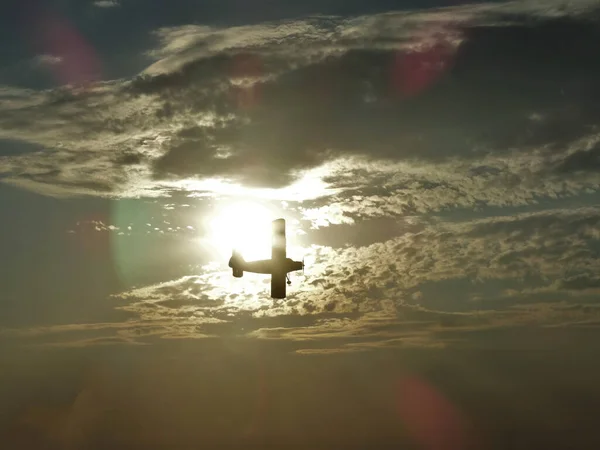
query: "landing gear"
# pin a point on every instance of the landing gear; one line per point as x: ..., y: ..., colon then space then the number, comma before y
x: 288, y: 279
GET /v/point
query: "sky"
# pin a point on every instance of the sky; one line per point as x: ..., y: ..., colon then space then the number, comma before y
x: 437, y: 164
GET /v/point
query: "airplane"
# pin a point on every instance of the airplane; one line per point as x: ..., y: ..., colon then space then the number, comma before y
x: 278, y: 266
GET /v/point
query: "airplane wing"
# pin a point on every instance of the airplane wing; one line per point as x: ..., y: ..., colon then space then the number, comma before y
x: 278, y: 255
x: 278, y: 244
x: 278, y: 281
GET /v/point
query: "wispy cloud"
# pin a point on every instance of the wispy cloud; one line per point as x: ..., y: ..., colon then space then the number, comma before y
x: 106, y: 3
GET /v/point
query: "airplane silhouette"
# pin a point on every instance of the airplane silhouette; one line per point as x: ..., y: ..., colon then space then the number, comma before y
x: 278, y: 266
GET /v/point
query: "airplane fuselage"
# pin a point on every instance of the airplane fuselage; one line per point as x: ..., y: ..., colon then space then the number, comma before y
x: 268, y: 266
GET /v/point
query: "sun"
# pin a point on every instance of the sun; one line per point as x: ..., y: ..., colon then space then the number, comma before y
x: 243, y: 225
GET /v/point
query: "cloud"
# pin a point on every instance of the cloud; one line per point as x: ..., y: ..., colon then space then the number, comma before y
x: 581, y: 161
x: 264, y: 105
x: 428, y: 286
x: 580, y: 282
x: 106, y: 3
x: 350, y: 120
x: 42, y: 60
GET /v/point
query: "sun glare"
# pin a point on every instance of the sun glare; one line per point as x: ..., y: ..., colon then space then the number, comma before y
x: 245, y: 226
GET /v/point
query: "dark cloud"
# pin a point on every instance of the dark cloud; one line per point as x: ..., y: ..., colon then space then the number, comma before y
x: 237, y: 157
x: 11, y: 148
x: 347, y: 104
x: 581, y: 161
x: 129, y: 159
x: 581, y: 282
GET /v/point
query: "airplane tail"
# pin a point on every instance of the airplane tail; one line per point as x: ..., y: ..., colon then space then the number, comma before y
x: 235, y: 262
